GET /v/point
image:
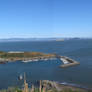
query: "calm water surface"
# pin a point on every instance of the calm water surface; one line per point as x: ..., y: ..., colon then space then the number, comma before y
x: 80, y: 50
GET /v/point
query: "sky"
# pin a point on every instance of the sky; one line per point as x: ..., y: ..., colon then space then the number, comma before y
x: 45, y: 18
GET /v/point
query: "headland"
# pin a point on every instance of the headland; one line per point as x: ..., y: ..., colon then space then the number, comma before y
x: 13, y: 56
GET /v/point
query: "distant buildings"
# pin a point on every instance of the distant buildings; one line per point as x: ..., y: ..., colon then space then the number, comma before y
x: 15, y: 52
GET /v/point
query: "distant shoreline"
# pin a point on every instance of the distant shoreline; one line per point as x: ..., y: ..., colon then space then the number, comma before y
x: 42, y: 39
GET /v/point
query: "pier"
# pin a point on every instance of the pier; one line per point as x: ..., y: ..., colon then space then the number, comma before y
x: 67, y: 62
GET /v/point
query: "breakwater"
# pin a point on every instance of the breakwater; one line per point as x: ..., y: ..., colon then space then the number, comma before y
x: 68, y: 62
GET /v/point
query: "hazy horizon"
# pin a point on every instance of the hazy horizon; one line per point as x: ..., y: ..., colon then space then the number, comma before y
x: 47, y: 38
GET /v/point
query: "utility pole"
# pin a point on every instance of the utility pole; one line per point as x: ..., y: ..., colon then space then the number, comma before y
x: 40, y: 88
x: 32, y: 89
x: 44, y: 87
x: 25, y: 84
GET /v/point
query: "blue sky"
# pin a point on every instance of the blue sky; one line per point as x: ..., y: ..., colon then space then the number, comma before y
x: 45, y: 18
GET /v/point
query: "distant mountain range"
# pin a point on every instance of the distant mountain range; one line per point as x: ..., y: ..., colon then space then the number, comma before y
x: 29, y: 39
x: 39, y: 39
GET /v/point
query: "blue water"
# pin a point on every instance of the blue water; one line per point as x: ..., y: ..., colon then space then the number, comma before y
x: 80, y: 50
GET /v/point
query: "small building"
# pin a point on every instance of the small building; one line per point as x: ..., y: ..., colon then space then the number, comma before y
x: 15, y: 52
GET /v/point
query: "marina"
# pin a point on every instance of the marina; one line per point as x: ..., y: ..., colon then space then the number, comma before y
x: 67, y: 62
x: 35, y: 56
x: 50, y: 69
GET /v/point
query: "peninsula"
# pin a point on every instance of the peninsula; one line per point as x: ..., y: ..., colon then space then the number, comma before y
x: 34, y: 56
x: 23, y: 56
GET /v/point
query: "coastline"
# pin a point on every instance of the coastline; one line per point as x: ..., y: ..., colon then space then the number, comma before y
x: 24, y: 57
x: 64, y: 85
x: 75, y: 85
x: 27, y: 60
x: 53, y: 86
x: 34, y: 56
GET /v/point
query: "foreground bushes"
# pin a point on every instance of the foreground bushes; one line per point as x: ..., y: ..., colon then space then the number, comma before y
x: 11, y: 90
x: 37, y: 90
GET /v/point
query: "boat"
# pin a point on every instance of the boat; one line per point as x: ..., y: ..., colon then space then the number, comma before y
x: 64, y: 61
x: 35, y: 60
x: 26, y: 61
x: 46, y: 59
x: 20, y: 77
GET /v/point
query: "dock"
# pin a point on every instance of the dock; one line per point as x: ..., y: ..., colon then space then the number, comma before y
x: 67, y: 62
